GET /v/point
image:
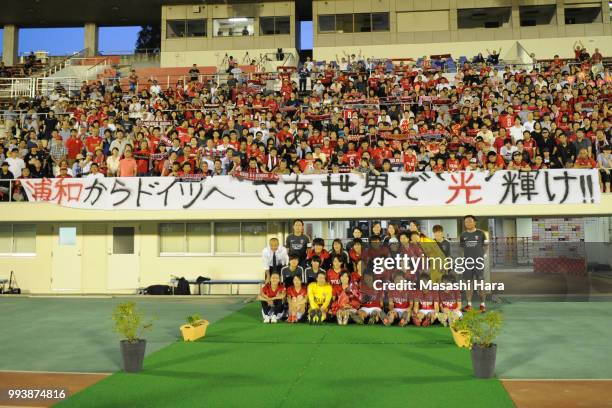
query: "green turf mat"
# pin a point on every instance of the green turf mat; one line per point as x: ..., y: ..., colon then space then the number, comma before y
x: 555, y: 340
x: 76, y: 334
x: 244, y: 363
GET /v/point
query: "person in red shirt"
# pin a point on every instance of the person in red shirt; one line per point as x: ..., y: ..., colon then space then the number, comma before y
x: 272, y: 297
x: 453, y: 163
x: 449, y: 302
x: 371, y: 302
x: 425, y: 304
x: 400, y: 304
x: 583, y: 161
x: 127, y: 165
x: 297, y: 297
x: 351, y: 158
x: 346, y: 299
x: 410, y: 161
x: 63, y: 172
x: 529, y: 144
x: 355, y: 255
x: 506, y: 120
x: 92, y: 142
x: 142, y: 156
x: 74, y: 145
x: 318, y: 249
x: 439, y: 166
x: 337, y: 267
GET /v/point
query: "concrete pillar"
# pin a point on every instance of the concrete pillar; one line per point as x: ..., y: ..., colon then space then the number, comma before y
x: 91, y: 39
x: 561, y: 18
x: 10, y: 45
x: 452, y: 15
x: 605, y: 12
x: 516, y: 20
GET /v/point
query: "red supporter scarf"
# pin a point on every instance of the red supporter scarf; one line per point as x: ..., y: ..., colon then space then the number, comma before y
x: 245, y: 175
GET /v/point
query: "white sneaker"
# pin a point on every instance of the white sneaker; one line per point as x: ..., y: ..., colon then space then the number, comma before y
x: 266, y: 319
x: 273, y: 319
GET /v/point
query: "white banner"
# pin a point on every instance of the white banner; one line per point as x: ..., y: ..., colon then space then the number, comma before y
x: 320, y: 191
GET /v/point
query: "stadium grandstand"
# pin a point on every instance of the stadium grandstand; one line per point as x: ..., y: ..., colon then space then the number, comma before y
x: 253, y: 180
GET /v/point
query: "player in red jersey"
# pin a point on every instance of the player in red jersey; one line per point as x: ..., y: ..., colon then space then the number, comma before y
x: 371, y: 302
x: 449, y: 303
x: 400, y: 304
x: 425, y: 304
x: 337, y: 267
x: 272, y: 297
x: 355, y: 255
x: 297, y: 296
x: 318, y: 249
x: 346, y: 299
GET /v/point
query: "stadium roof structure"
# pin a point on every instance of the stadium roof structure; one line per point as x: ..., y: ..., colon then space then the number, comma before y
x: 74, y: 13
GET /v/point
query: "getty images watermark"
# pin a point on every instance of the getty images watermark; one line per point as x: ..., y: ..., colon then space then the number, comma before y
x: 472, y: 267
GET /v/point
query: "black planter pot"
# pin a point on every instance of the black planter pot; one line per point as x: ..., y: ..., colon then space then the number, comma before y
x: 483, y: 360
x: 133, y: 355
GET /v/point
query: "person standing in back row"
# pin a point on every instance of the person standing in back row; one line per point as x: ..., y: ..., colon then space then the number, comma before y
x: 274, y: 258
x: 297, y: 243
x: 473, y: 242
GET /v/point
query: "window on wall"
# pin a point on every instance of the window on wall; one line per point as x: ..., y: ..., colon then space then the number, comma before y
x: 491, y: 17
x: 274, y: 25
x: 185, y: 28
x: 18, y: 239
x: 537, y: 15
x: 234, y: 27
x: 344, y: 23
x: 584, y: 14
x: 196, y: 28
x: 363, y: 22
x: 380, y: 21
x: 354, y: 23
x: 327, y: 23
x: 218, y: 238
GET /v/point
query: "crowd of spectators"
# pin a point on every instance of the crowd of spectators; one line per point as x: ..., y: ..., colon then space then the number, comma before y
x: 353, y: 115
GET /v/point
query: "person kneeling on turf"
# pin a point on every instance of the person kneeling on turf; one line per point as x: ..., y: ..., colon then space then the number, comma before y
x: 319, y: 298
x: 272, y: 297
x: 346, y: 299
x: 399, y: 304
x: 425, y: 305
x: 371, y: 302
x: 450, y: 303
x: 296, y: 300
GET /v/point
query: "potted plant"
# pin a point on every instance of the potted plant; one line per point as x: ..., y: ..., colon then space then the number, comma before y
x: 129, y: 322
x: 460, y: 332
x: 195, y: 328
x: 483, y: 328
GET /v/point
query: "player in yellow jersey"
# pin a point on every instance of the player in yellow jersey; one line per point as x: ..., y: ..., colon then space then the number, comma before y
x: 319, y: 298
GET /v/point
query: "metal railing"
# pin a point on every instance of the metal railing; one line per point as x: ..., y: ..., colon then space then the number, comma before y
x: 12, y: 88
x: 63, y: 63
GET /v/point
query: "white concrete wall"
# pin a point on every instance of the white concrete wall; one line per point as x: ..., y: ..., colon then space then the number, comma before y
x: 543, y: 48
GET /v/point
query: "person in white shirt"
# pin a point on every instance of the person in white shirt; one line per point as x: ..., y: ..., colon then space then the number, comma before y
x: 94, y: 172
x: 274, y: 257
x: 309, y: 64
x: 16, y: 163
x: 155, y: 88
x: 507, y: 150
x: 516, y: 131
x: 529, y: 123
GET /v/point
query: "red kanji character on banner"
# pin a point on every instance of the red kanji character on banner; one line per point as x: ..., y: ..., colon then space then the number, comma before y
x: 41, y: 191
x: 463, y: 185
x: 69, y: 191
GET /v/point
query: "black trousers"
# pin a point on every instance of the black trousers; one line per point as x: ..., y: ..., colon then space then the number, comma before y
x: 276, y: 308
x: 302, y: 84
